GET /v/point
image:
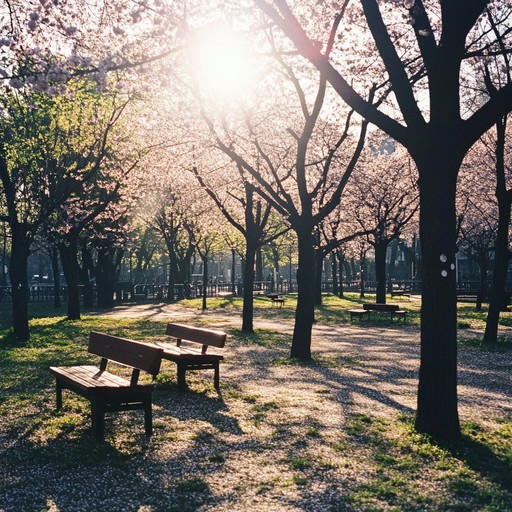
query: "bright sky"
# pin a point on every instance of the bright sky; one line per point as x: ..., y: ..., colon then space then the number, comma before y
x: 221, y: 62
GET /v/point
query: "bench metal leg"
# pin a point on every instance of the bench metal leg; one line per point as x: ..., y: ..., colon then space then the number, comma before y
x: 216, y: 377
x: 58, y: 389
x: 182, y: 368
x: 98, y: 419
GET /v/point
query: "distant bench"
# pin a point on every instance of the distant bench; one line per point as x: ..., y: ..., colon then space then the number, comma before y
x: 400, y: 293
x: 189, y: 351
x: 368, y: 307
x: 106, y: 391
x: 276, y: 299
x: 467, y: 296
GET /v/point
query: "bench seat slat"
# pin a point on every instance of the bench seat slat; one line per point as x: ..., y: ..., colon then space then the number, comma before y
x: 90, y: 376
x: 182, y: 352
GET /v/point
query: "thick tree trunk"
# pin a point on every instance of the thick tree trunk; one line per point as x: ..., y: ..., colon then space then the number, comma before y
x: 437, y: 393
x: 106, y: 276
x: 381, y: 247
x: 305, y: 312
x: 248, y: 280
x: 69, y: 258
x: 20, y: 251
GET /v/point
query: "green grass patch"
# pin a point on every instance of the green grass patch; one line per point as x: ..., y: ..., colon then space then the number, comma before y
x: 411, y: 471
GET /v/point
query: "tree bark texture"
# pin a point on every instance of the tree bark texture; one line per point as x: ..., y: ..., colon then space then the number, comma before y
x: 248, y: 280
x: 106, y: 276
x: 437, y: 413
x: 305, y: 312
x: 380, y: 247
x: 18, y: 268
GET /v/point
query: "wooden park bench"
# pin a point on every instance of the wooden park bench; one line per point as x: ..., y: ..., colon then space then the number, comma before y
x: 190, y: 350
x: 225, y: 295
x: 276, y: 299
x: 368, y: 307
x: 401, y: 293
x: 109, y: 392
x: 467, y: 296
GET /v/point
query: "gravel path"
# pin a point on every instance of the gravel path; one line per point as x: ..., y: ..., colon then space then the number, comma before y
x: 380, y: 364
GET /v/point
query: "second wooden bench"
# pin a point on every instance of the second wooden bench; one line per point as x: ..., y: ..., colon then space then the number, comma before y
x: 189, y: 351
x: 393, y: 309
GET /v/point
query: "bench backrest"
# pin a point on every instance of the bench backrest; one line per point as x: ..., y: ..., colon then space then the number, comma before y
x: 135, y: 354
x: 381, y: 307
x: 206, y: 337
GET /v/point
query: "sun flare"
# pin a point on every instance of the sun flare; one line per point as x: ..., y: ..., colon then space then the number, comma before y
x: 221, y: 63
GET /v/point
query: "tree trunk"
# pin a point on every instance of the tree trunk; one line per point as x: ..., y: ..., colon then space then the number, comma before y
x: 483, y: 285
x: 334, y: 272
x: 498, y: 299
x: 173, y: 267
x: 392, y: 260
x: 319, y: 262
x: 498, y: 296
x: 86, y: 272
x: 18, y: 267
x: 106, y: 278
x: 248, y: 280
x: 3, y: 276
x: 305, y: 312
x: 170, y: 284
x: 362, y: 275
x: 56, y: 277
x: 259, y: 264
x: 69, y: 258
x: 381, y: 247
x: 344, y: 266
x: 437, y: 393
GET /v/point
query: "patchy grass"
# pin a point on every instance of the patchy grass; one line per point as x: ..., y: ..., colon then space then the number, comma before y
x: 283, y: 435
x: 412, y: 472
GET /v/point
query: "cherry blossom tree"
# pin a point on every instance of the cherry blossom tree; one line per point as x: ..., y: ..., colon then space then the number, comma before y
x: 292, y: 169
x: 51, y: 149
x: 425, y: 52
x: 252, y: 219
x: 383, y: 205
